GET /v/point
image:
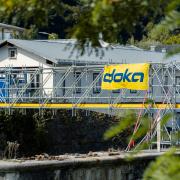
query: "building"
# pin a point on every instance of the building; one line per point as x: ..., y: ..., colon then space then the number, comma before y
x: 59, y: 55
x: 9, y: 31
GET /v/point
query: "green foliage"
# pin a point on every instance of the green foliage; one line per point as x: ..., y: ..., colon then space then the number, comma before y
x: 148, y: 103
x: 162, y: 33
x: 45, y: 15
x: 172, y: 20
x: 126, y: 121
x: 33, y: 10
x: 165, y: 119
x: 28, y: 34
x: 115, y: 20
x: 53, y: 36
x: 159, y: 33
x: 112, y: 18
x: 173, y: 39
x: 143, y: 128
x: 166, y: 167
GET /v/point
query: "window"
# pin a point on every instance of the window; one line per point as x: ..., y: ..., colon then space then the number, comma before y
x: 116, y: 91
x: 2, y: 75
x: 64, y: 85
x: 97, y: 87
x: 38, y: 80
x: 12, y: 53
x: 21, y: 78
x: 178, y: 84
x: 133, y: 91
x: 78, y: 82
x: 32, y: 82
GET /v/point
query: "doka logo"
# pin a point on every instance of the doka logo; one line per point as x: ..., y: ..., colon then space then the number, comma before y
x: 123, y: 77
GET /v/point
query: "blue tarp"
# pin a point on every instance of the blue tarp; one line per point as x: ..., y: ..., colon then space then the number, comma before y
x: 3, y: 89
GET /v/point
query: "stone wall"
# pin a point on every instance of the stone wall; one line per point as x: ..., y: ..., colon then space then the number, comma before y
x: 103, y: 168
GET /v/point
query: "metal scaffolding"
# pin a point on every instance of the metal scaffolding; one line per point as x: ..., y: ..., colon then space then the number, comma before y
x: 79, y: 87
x: 25, y: 85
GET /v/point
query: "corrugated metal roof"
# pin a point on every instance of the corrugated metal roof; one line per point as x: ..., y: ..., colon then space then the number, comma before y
x: 62, y: 51
x: 7, y: 26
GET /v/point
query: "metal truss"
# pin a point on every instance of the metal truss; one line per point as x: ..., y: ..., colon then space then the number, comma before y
x: 157, y: 134
x: 41, y: 88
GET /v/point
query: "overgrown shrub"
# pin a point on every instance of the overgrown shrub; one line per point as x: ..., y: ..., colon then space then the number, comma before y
x: 70, y: 132
x: 28, y: 129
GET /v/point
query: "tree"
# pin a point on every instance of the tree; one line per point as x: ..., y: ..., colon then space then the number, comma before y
x: 157, y: 35
x: 46, y: 15
x: 166, y: 167
x: 28, y: 34
x: 116, y: 20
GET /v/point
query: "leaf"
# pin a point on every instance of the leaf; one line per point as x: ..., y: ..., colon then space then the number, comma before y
x: 124, y: 123
x: 166, y: 118
x: 143, y: 129
x: 165, y: 167
x: 173, y: 52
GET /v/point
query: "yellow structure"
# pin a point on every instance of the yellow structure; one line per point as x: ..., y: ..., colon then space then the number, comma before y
x: 86, y: 106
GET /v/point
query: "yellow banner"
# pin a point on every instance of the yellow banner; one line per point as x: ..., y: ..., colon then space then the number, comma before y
x: 129, y: 76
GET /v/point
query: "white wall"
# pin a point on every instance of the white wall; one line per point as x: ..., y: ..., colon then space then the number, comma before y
x: 26, y: 59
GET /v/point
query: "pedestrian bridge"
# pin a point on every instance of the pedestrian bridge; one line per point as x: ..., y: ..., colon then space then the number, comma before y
x: 80, y: 87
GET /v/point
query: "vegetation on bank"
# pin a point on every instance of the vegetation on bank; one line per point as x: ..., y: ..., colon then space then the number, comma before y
x: 30, y: 132
x: 23, y: 133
